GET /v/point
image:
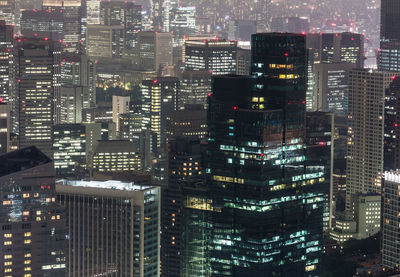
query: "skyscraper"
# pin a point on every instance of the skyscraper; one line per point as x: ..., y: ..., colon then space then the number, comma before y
x: 154, y: 50
x: 366, y: 131
x: 388, y: 58
x: 38, y: 75
x: 266, y: 203
x: 32, y: 223
x: 392, y: 129
x: 112, y: 228
x: 217, y: 56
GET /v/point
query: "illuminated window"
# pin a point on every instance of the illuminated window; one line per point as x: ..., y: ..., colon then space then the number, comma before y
x: 27, y: 275
x: 6, y: 257
x: 27, y: 234
x: 27, y: 262
x: 8, y: 270
x: 25, y: 213
x: 27, y: 241
x: 7, y: 242
x: 25, y: 195
x: 7, y: 263
x: 27, y: 255
x: 8, y: 235
x: 38, y: 212
x: 28, y: 268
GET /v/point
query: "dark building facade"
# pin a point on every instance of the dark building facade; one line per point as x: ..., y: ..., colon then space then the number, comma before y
x: 32, y: 223
x: 264, y: 204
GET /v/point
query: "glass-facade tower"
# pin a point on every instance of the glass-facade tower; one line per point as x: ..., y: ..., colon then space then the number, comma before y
x: 267, y: 199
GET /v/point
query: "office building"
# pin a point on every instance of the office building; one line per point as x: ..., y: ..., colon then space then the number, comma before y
x: 363, y: 221
x: 5, y: 127
x: 389, y: 48
x: 105, y: 42
x: 79, y: 70
x: 189, y: 122
x: 130, y: 126
x: 116, y: 156
x: 159, y: 101
x: 243, y: 63
x: 38, y: 75
x: 123, y: 14
x: 366, y: 131
x: 69, y: 104
x: 92, y: 12
x: 113, y: 228
x: 390, y: 225
x: 265, y: 201
x: 391, y: 129
x: 182, y: 23
x: 331, y: 87
x: 195, y: 87
x: 297, y: 25
x: 120, y: 105
x: 42, y: 24
x: 154, y: 50
x: 217, y: 56
x: 32, y: 223
x: 10, y: 13
x: 7, y: 72
x: 69, y: 149
x: 184, y: 170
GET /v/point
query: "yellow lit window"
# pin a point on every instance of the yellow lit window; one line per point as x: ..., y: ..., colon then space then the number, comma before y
x: 38, y: 218
x: 27, y: 234
x: 27, y: 241
x: 7, y: 242
x: 38, y: 212
x: 282, y: 76
x: 254, y: 99
x: 27, y: 262
x: 7, y: 263
x: 36, y: 194
x: 272, y: 65
x: 25, y: 213
x: 6, y: 202
x: 6, y: 257
x: 8, y: 235
x: 25, y: 195
x: 27, y: 275
x: 28, y: 268
x: 8, y: 270
x: 310, y: 267
x: 27, y: 255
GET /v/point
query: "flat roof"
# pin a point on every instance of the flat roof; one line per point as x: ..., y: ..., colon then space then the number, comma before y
x: 110, y: 184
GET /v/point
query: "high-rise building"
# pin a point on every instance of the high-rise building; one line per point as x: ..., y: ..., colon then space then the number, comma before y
x: 69, y: 105
x: 388, y: 58
x: 123, y: 14
x: 10, y: 13
x: 5, y: 127
x: 189, y: 122
x: 113, y: 228
x: 69, y: 149
x: 241, y: 30
x: 116, y: 156
x: 195, y: 87
x: 154, y: 50
x: 366, y: 131
x: 265, y: 203
x: 32, y: 223
x: 43, y: 24
x: 184, y: 170
x: 92, y: 12
x: 392, y: 129
x: 243, y: 62
x: 217, y: 56
x: 159, y: 101
x: 331, y: 87
x: 298, y: 25
x: 182, y: 23
x: 7, y: 72
x: 38, y: 75
x: 390, y: 225
x: 79, y: 70
x: 120, y: 105
x: 105, y: 41
x: 130, y: 126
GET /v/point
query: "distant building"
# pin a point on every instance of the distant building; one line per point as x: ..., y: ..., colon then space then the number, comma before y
x: 42, y: 24
x: 113, y: 228
x: 69, y: 104
x: 38, y: 73
x: 120, y: 105
x: 331, y: 87
x: 5, y: 128
x: 362, y: 221
x: 105, y: 41
x: 217, y: 56
x: 195, y: 87
x: 241, y: 30
x: 69, y: 149
x: 32, y: 223
x: 243, y: 63
x: 189, y: 122
x: 117, y: 156
x: 154, y: 50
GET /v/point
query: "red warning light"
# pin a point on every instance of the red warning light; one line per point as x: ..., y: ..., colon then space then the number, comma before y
x: 396, y: 125
x: 235, y: 107
x: 286, y: 54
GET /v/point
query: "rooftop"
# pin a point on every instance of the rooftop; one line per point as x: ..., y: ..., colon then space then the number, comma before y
x: 111, y: 184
